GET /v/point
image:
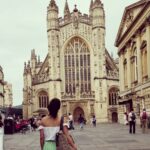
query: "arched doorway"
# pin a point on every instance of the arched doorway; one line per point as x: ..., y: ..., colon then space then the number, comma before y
x: 77, y: 113
x: 114, y: 117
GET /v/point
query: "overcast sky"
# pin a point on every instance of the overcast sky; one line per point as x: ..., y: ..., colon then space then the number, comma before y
x: 23, y: 27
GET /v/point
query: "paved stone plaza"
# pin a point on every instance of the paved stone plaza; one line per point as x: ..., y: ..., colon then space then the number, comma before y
x: 103, y: 137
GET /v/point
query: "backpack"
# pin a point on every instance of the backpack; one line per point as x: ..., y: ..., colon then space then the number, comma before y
x: 133, y: 117
x: 144, y: 115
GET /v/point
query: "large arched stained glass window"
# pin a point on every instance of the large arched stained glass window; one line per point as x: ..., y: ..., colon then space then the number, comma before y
x: 77, y: 67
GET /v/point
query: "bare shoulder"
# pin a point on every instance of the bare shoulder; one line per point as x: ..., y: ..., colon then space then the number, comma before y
x: 44, y: 120
x: 58, y: 120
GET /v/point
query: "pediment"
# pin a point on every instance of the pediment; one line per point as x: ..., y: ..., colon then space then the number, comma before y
x: 130, y: 14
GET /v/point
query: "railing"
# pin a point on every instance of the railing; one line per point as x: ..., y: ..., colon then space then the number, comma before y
x: 40, y: 79
x: 82, y: 18
x: 89, y: 95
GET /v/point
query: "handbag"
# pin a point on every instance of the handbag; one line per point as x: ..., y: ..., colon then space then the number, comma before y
x: 61, y: 139
x: 62, y: 142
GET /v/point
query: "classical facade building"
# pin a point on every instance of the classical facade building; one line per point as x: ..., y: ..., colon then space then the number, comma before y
x: 133, y: 42
x: 77, y: 69
x: 1, y: 88
x: 8, y: 96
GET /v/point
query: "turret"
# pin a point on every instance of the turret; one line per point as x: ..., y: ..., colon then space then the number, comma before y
x: 33, y: 56
x: 39, y: 61
x: 90, y: 9
x: 76, y: 17
x: 52, y: 16
x: 98, y: 14
x: 67, y: 14
x: 27, y: 85
x: 33, y: 61
x: 98, y: 33
x: 25, y: 68
x: 53, y: 33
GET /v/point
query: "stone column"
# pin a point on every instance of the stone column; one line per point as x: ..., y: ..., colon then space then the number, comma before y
x: 121, y: 72
x: 128, y: 65
x: 148, y: 45
x: 139, y: 63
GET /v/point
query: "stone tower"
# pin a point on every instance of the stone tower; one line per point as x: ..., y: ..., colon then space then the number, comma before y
x: 53, y: 32
x: 98, y: 44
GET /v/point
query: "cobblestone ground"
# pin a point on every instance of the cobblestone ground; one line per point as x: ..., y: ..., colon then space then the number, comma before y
x: 103, y: 137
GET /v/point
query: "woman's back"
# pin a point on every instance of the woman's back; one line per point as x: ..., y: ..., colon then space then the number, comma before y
x: 51, y: 126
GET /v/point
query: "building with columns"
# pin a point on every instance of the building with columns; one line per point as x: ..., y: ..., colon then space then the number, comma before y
x: 77, y: 69
x: 133, y: 42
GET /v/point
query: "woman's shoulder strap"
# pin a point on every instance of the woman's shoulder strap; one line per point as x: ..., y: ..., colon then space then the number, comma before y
x: 61, y: 122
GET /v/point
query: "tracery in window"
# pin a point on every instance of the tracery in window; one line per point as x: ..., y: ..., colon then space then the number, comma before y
x: 77, y: 67
x: 113, y: 96
x: 43, y: 99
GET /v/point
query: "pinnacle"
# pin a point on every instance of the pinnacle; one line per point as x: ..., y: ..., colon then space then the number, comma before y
x: 53, y: 4
x: 97, y: 2
x: 66, y: 9
x: 91, y: 5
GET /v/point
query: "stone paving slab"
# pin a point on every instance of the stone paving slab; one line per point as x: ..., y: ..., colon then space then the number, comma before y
x: 103, y: 137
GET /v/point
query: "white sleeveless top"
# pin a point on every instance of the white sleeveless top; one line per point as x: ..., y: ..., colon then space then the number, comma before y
x: 50, y: 133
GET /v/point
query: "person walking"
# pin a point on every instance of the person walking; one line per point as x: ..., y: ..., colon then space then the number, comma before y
x: 71, y: 126
x: 143, y: 118
x: 94, y: 121
x: 132, y: 122
x: 51, y: 126
x: 81, y: 121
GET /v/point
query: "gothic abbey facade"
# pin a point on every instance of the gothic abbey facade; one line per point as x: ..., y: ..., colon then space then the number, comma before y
x: 77, y: 69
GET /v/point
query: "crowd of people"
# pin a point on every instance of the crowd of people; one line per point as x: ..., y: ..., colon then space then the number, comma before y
x: 50, y: 125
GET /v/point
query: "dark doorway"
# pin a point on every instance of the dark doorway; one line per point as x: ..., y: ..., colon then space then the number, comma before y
x: 114, y: 117
x: 77, y: 113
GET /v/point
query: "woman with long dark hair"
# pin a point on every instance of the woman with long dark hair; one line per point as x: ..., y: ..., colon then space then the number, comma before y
x: 51, y: 126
